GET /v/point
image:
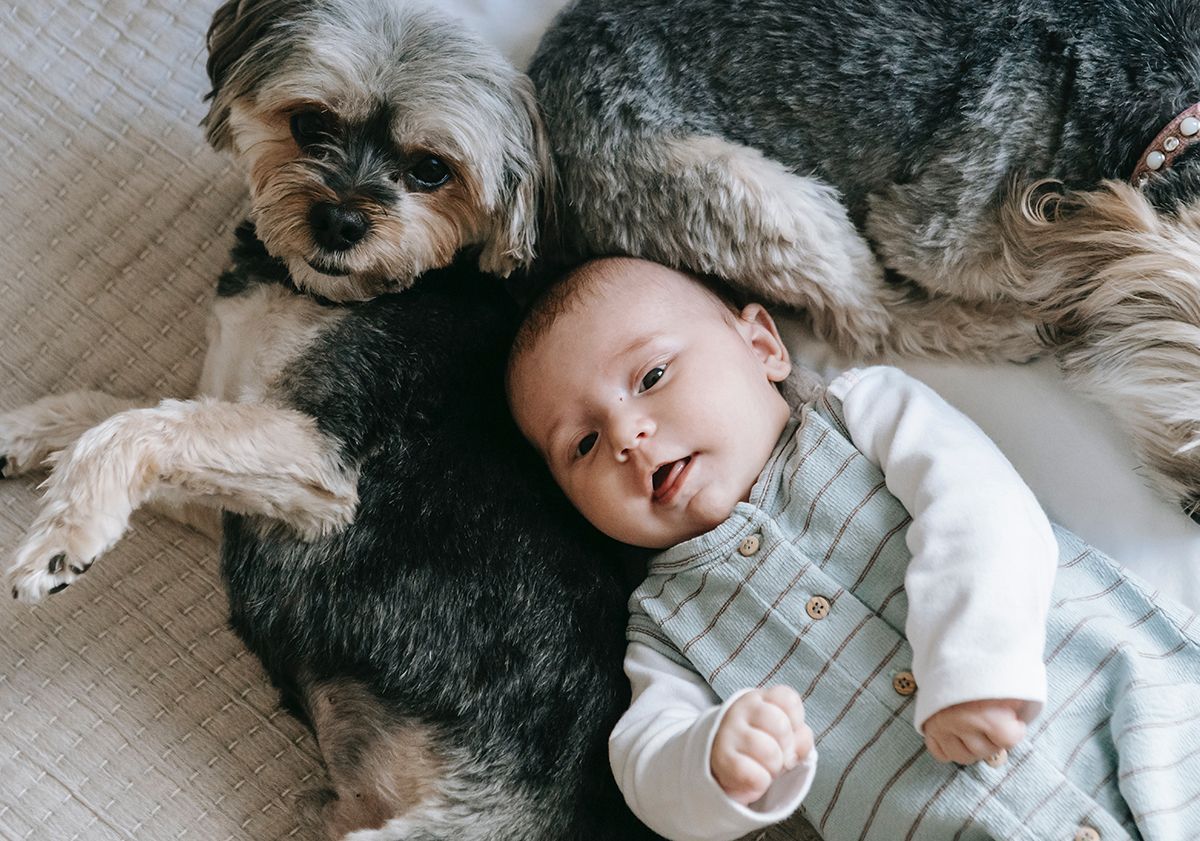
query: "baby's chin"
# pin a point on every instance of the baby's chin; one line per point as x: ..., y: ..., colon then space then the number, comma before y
x: 659, y: 529
x: 703, y: 515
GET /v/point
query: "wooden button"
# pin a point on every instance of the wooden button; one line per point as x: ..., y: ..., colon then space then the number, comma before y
x: 998, y: 758
x: 749, y: 545
x: 904, y: 683
x: 1086, y: 833
x: 817, y: 607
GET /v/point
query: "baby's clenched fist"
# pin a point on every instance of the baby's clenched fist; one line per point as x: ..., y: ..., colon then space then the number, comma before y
x: 762, y: 735
x: 974, y: 731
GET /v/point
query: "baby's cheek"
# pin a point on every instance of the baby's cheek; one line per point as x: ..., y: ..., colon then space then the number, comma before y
x: 613, y: 516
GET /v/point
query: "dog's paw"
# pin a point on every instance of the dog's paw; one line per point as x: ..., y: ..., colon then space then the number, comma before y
x: 62, y: 545
x: 43, y: 565
x: 22, y: 448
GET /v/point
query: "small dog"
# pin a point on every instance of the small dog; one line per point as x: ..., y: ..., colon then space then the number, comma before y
x: 800, y: 149
x: 396, y: 555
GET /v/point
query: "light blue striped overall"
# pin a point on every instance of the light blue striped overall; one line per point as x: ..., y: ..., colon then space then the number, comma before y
x: 1116, y: 748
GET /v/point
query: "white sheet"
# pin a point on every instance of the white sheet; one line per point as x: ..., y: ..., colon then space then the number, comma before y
x: 1072, y: 455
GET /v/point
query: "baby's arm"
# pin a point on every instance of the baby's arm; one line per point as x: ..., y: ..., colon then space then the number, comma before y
x: 983, y: 561
x: 662, y: 753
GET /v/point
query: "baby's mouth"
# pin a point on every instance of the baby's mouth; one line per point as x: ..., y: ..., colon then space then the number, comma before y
x: 666, y: 478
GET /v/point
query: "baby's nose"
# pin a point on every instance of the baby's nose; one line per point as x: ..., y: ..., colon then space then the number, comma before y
x: 632, y: 438
x: 630, y: 445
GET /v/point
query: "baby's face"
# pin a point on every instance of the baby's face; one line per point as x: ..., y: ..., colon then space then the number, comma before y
x: 653, y: 404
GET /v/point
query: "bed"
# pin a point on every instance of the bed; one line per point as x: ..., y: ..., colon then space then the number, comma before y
x: 128, y: 711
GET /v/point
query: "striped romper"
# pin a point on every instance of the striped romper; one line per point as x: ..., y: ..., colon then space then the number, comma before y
x: 1114, y: 755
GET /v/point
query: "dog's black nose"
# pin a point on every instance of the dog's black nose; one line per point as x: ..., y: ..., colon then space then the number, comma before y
x: 336, y: 226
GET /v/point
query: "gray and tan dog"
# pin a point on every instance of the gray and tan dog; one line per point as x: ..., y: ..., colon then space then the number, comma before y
x: 394, y: 553
x: 871, y: 161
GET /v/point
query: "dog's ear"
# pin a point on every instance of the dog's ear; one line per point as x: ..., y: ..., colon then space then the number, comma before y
x: 238, y: 29
x: 524, y: 206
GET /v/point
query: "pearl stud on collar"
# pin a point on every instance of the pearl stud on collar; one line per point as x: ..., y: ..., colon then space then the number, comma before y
x: 1171, y: 142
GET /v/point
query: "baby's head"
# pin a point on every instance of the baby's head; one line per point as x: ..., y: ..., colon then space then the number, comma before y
x: 653, y: 400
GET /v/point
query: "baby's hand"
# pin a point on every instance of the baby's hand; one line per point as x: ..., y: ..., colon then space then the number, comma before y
x: 762, y: 735
x: 976, y: 730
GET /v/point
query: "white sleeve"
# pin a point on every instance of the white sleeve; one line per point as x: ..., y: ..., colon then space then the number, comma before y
x: 983, y: 553
x: 660, y: 753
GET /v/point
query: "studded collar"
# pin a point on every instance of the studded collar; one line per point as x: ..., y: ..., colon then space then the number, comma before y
x: 1180, y: 133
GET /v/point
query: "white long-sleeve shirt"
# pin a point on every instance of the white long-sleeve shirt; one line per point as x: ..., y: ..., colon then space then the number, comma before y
x: 978, y: 585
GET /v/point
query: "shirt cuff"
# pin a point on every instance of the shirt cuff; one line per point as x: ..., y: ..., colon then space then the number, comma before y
x: 945, y: 686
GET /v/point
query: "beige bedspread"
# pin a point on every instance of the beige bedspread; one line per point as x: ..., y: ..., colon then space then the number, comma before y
x: 127, y: 709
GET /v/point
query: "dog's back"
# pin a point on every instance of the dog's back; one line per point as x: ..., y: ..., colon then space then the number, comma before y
x: 866, y: 94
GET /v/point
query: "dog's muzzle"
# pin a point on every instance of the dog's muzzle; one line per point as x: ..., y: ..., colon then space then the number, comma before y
x: 337, y: 227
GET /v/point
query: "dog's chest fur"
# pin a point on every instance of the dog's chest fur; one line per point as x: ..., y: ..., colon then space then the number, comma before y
x: 253, y: 336
x: 259, y: 325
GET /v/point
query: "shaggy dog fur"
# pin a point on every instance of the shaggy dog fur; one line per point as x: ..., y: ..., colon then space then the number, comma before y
x: 394, y: 552
x: 872, y: 162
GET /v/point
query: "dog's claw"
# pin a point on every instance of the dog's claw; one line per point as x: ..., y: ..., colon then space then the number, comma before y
x: 35, y: 577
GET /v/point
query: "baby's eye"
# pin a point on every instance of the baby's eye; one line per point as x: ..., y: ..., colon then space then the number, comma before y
x: 652, y: 376
x: 586, y: 443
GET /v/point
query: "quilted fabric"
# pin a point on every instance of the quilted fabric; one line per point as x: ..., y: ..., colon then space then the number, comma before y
x: 127, y: 709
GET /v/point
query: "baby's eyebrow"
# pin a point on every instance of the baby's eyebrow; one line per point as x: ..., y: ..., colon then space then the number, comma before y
x: 552, y: 434
x: 634, y: 346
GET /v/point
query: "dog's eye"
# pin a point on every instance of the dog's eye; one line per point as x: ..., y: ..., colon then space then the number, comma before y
x: 429, y: 173
x: 310, y: 128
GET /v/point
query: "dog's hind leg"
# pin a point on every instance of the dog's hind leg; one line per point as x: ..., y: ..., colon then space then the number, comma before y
x: 248, y: 458
x: 1118, y: 284
x: 396, y: 779
x: 379, y: 765
x: 715, y: 207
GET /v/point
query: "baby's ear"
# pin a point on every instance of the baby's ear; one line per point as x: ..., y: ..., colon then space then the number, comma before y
x: 761, y: 334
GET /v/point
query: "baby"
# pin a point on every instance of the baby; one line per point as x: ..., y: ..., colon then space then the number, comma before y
x: 865, y: 572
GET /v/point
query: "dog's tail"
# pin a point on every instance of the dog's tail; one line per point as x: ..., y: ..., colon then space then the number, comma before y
x: 1116, y: 282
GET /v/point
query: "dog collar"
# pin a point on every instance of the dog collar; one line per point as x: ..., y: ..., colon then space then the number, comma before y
x: 1179, y: 134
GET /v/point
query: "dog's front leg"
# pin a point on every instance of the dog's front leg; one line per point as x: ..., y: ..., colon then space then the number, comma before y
x: 29, y: 435
x: 249, y: 458
x: 715, y: 206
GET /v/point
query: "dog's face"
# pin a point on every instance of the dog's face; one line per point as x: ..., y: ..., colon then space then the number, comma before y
x: 379, y: 139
